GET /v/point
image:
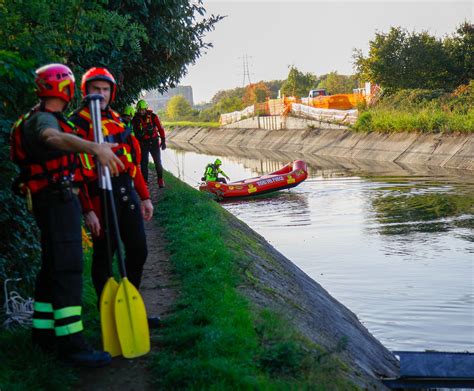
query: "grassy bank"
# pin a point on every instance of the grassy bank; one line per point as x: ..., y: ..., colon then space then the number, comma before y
x: 191, y: 124
x: 430, y: 111
x: 216, y: 339
x: 26, y: 368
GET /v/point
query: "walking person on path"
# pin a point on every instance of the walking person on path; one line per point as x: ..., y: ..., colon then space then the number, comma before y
x: 151, y: 135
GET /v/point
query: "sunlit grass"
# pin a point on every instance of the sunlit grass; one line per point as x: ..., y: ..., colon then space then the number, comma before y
x: 418, y: 110
x: 191, y: 124
x: 429, y: 120
x: 215, y: 338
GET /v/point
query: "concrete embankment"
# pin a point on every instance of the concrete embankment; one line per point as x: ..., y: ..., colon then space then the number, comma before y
x: 408, y: 148
x: 274, y: 282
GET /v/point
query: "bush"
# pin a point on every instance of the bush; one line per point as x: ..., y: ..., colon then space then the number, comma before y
x: 364, y: 122
x: 419, y: 110
x: 19, y: 247
x: 410, y: 98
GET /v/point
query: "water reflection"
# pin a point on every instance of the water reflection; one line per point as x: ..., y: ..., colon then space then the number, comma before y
x: 421, y: 209
x: 280, y: 209
x: 395, y: 244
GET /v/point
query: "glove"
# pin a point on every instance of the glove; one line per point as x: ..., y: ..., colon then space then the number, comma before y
x: 163, y: 144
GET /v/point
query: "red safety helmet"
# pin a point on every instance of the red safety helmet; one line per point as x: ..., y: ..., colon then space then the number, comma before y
x: 98, y: 74
x: 55, y: 80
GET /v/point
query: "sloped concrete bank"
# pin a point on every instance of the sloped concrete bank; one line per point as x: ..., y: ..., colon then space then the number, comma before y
x: 274, y: 282
x: 439, y: 150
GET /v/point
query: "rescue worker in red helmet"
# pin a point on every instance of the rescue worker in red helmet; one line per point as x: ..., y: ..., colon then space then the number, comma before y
x: 132, y: 208
x: 149, y: 131
x: 44, y: 146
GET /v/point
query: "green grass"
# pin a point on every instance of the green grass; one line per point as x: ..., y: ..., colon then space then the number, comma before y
x: 428, y: 120
x: 429, y: 111
x: 192, y: 124
x: 215, y: 338
x: 26, y: 368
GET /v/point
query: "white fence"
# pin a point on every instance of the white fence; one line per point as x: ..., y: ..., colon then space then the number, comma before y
x: 229, y: 118
x: 298, y: 110
x: 326, y: 115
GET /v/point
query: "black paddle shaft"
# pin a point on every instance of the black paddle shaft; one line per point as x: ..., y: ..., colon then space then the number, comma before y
x: 105, y: 182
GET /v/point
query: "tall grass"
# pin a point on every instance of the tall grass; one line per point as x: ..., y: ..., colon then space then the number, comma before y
x: 192, y: 124
x: 215, y: 339
x: 421, y: 111
x: 23, y: 367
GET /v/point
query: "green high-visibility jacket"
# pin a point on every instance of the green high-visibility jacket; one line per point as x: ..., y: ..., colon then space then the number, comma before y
x: 212, y: 172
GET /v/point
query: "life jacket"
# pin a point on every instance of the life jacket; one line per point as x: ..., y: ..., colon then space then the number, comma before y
x: 211, y: 172
x: 144, y: 127
x: 38, y: 174
x: 114, y: 131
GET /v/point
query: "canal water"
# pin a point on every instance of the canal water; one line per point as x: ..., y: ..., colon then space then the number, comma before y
x: 393, y: 244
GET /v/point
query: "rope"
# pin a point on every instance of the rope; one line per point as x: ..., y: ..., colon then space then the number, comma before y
x: 18, y: 310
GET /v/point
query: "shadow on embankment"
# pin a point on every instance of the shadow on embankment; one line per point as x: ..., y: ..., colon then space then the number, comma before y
x: 274, y: 282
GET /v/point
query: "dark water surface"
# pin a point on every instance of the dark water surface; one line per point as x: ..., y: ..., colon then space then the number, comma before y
x: 395, y: 245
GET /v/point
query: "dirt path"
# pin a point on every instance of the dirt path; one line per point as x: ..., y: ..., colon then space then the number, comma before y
x: 159, y: 293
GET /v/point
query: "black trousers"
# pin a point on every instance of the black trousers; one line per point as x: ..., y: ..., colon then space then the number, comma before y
x: 132, y: 233
x: 152, y: 147
x: 59, y: 281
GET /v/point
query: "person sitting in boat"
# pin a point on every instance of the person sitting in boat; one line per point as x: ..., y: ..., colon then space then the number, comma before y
x: 211, y: 174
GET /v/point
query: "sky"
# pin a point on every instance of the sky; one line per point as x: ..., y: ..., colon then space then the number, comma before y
x: 315, y: 36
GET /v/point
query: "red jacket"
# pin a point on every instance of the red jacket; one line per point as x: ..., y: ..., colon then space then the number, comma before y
x: 36, y: 173
x: 148, y: 126
x: 128, y: 151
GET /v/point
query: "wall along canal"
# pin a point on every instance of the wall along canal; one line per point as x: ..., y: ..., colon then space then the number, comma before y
x: 396, y: 247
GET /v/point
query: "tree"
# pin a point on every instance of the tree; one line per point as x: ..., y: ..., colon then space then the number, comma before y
x: 274, y: 86
x: 158, y: 38
x: 178, y: 108
x: 225, y: 105
x: 145, y: 43
x: 298, y: 83
x: 460, y: 48
x: 338, y: 84
x: 237, y: 92
x: 399, y: 59
x: 256, y: 93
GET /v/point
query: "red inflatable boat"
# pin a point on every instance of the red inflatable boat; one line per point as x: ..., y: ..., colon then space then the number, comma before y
x: 289, y: 176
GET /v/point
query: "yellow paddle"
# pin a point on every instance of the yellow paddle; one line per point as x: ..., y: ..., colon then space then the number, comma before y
x: 108, y: 324
x: 132, y: 322
x: 110, y: 339
x: 122, y: 305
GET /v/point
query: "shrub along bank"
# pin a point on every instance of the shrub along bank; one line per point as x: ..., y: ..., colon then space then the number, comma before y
x: 170, y: 125
x: 430, y: 111
x: 216, y: 339
x: 26, y: 368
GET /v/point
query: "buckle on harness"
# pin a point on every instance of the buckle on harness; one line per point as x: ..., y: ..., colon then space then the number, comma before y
x: 65, y: 188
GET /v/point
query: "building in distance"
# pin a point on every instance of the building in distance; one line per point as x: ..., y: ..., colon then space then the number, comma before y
x: 157, y: 101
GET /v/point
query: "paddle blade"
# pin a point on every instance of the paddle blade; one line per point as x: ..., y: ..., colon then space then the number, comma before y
x: 131, y: 320
x: 110, y: 339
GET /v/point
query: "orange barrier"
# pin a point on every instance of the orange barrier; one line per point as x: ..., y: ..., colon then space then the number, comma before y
x: 339, y: 101
x: 282, y: 106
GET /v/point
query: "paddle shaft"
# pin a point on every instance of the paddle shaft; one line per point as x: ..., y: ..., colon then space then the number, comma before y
x: 105, y: 183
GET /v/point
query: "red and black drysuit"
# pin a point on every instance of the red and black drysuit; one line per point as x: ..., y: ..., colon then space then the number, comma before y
x: 51, y: 178
x: 149, y: 132
x: 125, y: 189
